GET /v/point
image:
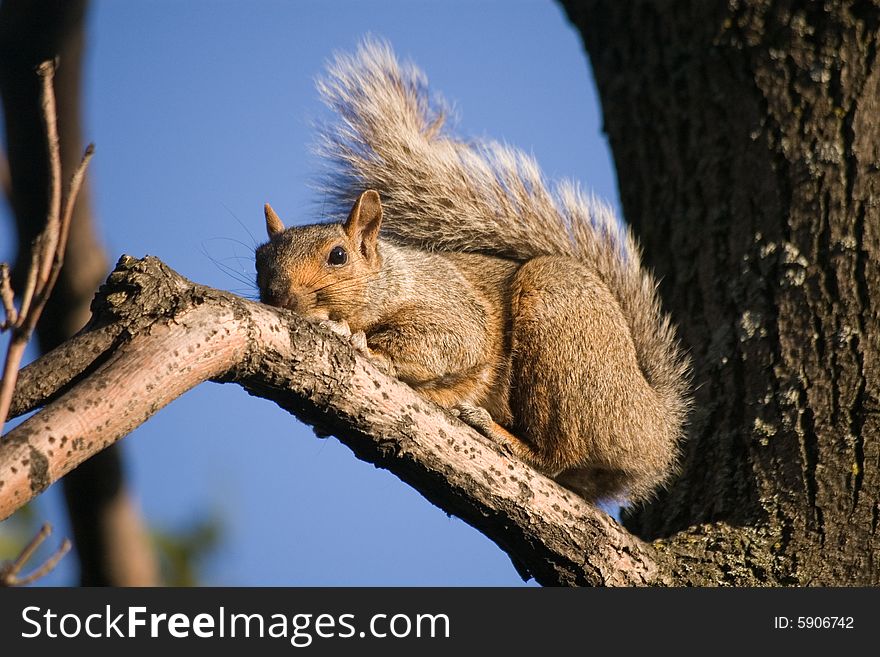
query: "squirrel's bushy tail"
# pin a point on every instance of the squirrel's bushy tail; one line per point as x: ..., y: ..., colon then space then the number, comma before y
x: 442, y: 193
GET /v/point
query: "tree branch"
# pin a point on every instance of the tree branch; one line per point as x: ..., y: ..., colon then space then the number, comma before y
x: 173, y: 334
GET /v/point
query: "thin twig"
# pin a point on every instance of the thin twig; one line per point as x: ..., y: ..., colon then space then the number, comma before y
x: 76, y: 181
x: 14, y: 354
x: 46, y: 71
x: 28, y: 550
x: 57, y: 258
x: 7, y: 297
x: 9, y: 573
x: 30, y: 286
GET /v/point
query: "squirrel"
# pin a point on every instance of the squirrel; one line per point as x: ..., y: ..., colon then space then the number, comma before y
x: 523, y: 311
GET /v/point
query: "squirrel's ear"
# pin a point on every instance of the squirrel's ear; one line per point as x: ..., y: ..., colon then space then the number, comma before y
x: 364, y: 221
x: 273, y: 223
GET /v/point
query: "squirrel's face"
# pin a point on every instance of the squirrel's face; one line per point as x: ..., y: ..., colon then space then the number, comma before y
x: 322, y: 271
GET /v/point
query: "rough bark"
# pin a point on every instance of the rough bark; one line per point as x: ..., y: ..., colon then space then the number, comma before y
x: 111, y: 541
x: 747, y: 144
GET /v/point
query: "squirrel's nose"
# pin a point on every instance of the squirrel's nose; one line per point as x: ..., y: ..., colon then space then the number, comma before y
x: 281, y: 299
x: 289, y: 301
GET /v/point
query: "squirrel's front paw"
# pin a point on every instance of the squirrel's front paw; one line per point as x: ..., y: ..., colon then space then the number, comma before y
x: 339, y: 327
x: 359, y: 342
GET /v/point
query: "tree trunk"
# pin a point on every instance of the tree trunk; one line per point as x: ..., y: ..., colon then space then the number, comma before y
x: 747, y: 143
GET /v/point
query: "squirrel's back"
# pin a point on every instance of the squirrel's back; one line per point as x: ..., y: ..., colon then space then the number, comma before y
x: 441, y: 193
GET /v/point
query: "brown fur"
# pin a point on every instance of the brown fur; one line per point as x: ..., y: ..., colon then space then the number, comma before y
x: 525, y: 311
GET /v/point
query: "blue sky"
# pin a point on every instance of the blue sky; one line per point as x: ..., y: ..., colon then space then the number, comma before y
x: 202, y: 111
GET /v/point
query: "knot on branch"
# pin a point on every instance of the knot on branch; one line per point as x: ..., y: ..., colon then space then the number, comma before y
x: 141, y: 290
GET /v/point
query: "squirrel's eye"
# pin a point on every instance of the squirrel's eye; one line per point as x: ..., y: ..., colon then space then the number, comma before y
x: 337, y: 256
